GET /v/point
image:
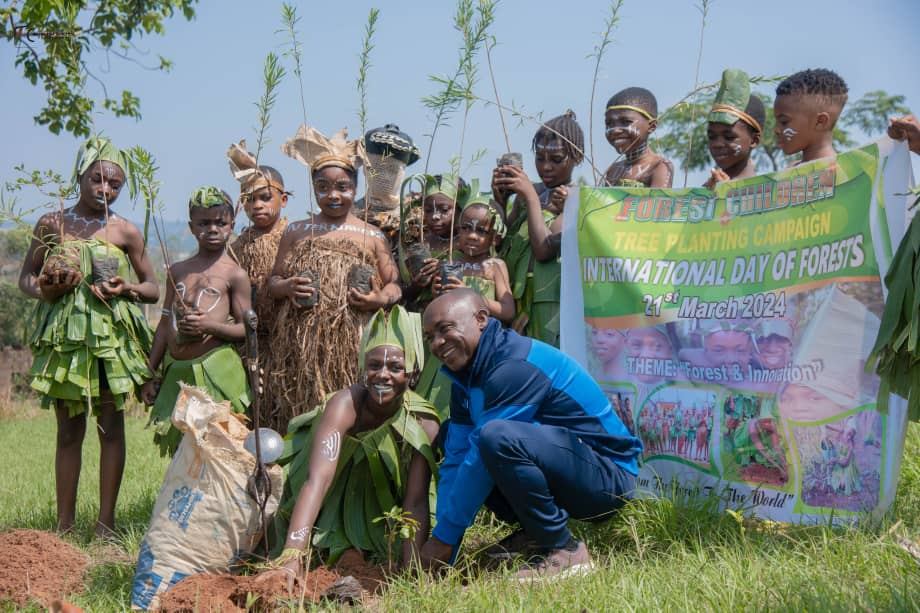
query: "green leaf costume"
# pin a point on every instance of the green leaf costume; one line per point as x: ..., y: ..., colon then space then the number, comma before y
x: 536, y: 286
x: 78, y: 338
x: 219, y: 372
x: 370, y: 477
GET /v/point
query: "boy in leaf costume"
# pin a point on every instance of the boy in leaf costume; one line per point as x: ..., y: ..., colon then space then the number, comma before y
x: 88, y: 338
x: 206, y: 297
x: 365, y: 450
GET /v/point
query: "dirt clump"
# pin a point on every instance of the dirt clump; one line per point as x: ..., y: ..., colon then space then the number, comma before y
x: 232, y: 593
x: 370, y: 576
x: 39, y: 566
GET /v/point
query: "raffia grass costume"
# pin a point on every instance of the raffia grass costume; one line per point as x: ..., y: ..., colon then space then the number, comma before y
x: 219, y: 372
x: 255, y: 253
x: 370, y: 478
x: 315, y: 349
x: 78, y: 337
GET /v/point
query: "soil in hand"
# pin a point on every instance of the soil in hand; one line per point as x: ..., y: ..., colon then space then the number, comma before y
x: 232, y: 594
x: 38, y: 566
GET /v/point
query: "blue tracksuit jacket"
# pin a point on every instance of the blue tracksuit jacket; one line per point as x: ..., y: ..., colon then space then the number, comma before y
x: 518, y: 378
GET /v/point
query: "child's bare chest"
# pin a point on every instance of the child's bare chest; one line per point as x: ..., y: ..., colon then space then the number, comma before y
x: 207, y: 291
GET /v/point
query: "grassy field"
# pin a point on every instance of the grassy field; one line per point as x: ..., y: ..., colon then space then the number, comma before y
x: 657, y: 555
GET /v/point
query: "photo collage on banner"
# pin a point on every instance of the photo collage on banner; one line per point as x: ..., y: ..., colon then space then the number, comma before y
x: 730, y: 330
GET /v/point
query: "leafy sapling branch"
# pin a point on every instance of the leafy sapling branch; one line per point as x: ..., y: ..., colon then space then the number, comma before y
x: 272, y: 75
x: 606, y: 39
x: 290, y: 19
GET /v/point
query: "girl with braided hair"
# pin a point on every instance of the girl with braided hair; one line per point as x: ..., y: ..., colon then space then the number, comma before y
x: 535, y: 224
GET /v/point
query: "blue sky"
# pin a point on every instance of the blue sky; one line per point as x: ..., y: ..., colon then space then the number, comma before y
x: 193, y: 113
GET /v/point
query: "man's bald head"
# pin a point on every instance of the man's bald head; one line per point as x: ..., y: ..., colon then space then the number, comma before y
x: 461, y: 298
x: 453, y: 323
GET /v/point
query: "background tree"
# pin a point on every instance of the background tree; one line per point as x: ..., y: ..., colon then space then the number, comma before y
x: 52, y: 39
x: 869, y: 115
x: 15, y: 306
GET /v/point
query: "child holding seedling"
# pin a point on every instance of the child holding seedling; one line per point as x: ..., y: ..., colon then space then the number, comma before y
x: 532, y: 250
x: 481, y: 230
x: 735, y: 128
x: 88, y: 339
x: 263, y: 196
x: 331, y: 272
x: 807, y: 107
x: 631, y: 116
x: 439, y: 221
x: 206, y: 297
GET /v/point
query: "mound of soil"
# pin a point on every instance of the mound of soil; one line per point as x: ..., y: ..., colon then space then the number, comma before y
x: 39, y: 566
x: 229, y: 593
x: 369, y: 575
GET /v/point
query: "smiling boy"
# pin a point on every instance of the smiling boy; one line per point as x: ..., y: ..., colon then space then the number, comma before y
x: 631, y: 116
x: 807, y: 107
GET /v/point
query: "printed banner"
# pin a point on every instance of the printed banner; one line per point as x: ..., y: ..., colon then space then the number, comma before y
x: 730, y: 330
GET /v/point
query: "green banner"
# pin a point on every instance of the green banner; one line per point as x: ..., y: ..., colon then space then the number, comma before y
x: 730, y: 330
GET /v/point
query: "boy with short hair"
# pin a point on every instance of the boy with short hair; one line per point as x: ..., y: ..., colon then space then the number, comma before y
x: 263, y: 196
x: 632, y: 115
x: 807, y: 107
x: 202, y: 294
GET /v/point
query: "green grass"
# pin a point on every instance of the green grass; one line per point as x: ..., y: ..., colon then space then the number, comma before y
x: 656, y: 555
x: 27, y: 498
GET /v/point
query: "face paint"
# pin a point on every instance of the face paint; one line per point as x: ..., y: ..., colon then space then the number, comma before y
x: 331, y: 446
x: 299, y: 535
x: 540, y: 147
x: 789, y: 134
x: 736, y: 148
x: 386, y: 352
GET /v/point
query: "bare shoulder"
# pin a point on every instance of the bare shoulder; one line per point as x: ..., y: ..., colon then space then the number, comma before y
x: 128, y: 234
x: 178, y: 270
x: 49, y: 223
x: 341, y: 407
x: 430, y: 426
x: 494, y: 265
x: 235, y: 272
x: 660, y: 159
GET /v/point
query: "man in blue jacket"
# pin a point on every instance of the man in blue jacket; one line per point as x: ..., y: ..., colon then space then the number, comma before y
x: 530, y: 434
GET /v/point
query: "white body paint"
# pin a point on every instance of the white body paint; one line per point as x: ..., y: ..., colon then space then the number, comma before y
x: 299, y: 535
x: 331, y: 446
